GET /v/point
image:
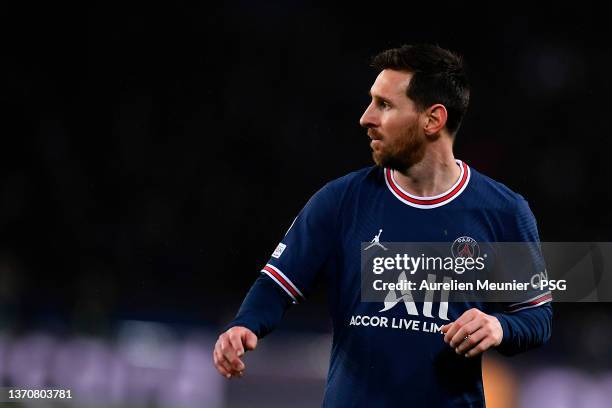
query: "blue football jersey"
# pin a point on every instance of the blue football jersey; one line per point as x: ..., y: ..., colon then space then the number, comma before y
x: 391, y: 355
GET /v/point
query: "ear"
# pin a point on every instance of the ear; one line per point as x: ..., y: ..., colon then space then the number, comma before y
x: 435, y: 119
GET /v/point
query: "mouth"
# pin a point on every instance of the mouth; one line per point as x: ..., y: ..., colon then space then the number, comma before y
x: 374, y: 137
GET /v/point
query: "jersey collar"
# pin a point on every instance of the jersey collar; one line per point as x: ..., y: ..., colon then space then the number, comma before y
x: 429, y: 202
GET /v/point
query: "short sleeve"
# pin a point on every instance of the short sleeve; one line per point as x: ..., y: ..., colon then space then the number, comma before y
x: 306, y: 246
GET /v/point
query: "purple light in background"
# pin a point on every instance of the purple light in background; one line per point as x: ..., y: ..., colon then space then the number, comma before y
x: 28, y: 360
x: 565, y: 387
x: 148, y: 366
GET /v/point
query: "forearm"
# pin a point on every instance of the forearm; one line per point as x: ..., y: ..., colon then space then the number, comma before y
x: 263, y: 307
x: 525, y: 329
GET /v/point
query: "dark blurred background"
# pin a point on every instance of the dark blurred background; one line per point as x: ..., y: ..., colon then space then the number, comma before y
x: 152, y: 156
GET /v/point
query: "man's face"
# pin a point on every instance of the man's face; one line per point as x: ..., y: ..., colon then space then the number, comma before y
x: 392, y: 120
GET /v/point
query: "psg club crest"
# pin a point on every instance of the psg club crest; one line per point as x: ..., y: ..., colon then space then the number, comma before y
x: 465, y: 247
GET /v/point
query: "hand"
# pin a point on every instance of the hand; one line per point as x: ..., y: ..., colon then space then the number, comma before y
x: 473, y: 333
x: 230, y: 346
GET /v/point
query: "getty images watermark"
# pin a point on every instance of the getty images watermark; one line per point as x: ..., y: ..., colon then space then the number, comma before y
x: 468, y: 270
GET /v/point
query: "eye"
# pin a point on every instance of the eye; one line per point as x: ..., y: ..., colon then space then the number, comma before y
x: 383, y: 104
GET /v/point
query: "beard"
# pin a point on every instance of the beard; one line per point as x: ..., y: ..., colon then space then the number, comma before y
x: 401, y: 154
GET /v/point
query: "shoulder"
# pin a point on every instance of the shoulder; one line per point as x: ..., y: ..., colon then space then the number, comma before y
x: 367, y: 176
x: 510, y: 209
x: 340, y: 190
x: 496, y: 195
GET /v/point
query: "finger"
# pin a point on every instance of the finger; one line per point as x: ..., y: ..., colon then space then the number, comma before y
x: 250, y: 340
x: 467, y: 316
x: 483, y: 346
x: 464, y: 331
x: 446, y: 327
x: 225, y: 350
x: 236, y: 343
x: 472, y: 341
x: 454, y: 328
x: 229, y: 355
x: 226, y: 365
x: 221, y: 365
x: 218, y: 366
x: 459, y: 323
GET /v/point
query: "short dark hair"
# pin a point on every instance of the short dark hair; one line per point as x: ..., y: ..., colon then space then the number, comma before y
x: 439, y: 76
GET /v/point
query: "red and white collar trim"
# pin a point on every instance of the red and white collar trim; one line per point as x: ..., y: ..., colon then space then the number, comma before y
x: 429, y: 202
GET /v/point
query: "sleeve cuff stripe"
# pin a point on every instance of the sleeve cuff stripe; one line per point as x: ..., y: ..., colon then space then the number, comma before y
x: 284, y: 282
x: 530, y: 306
x: 533, y: 299
x: 545, y: 298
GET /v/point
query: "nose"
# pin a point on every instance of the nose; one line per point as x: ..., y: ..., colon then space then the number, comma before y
x: 369, y: 119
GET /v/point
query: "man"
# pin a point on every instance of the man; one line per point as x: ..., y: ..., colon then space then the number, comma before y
x: 417, y: 192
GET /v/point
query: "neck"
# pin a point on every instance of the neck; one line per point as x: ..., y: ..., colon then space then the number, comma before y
x: 433, y: 175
